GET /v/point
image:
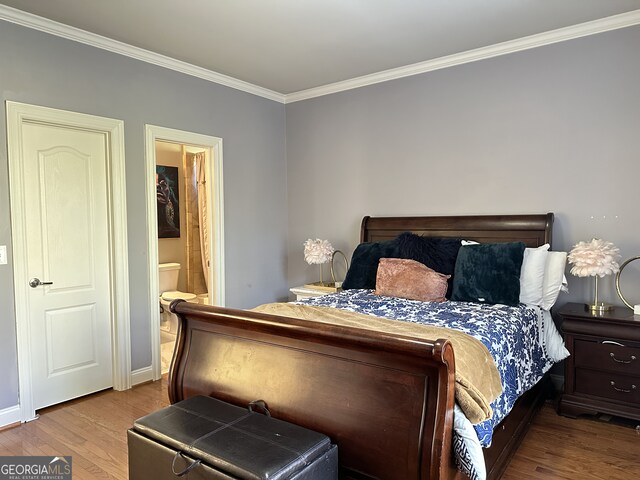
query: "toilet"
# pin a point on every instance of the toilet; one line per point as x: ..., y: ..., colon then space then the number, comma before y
x: 168, y: 273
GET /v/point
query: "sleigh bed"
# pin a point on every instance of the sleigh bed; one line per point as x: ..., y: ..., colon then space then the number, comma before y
x: 386, y: 399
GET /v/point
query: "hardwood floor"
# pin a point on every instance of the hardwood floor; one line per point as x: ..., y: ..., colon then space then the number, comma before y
x: 563, y: 448
x: 93, y: 431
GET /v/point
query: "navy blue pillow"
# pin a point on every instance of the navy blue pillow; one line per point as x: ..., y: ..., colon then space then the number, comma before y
x: 364, y: 263
x: 437, y: 253
x: 489, y: 273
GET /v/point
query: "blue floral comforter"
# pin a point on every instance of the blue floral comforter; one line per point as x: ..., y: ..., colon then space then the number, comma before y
x: 510, y: 333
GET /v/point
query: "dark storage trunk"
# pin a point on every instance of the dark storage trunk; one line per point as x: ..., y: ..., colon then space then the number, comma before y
x: 212, y: 439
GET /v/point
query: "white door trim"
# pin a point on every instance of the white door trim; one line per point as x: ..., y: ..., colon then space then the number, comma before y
x: 215, y: 198
x: 17, y: 114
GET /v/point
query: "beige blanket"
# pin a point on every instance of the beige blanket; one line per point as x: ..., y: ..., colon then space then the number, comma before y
x: 477, y: 378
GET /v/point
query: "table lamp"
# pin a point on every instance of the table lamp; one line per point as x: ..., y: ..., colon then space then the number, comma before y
x: 318, y: 252
x: 596, y: 258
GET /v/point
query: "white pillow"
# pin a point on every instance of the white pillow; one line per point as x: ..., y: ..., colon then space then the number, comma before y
x: 554, y: 279
x: 532, y: 274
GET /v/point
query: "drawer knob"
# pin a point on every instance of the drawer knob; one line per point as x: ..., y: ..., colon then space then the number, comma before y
x: 613, y: 384
x: 612, y: 355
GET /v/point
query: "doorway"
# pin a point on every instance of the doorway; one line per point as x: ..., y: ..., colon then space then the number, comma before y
x: 183, y: 234
x: 173, y: 158
x: 66, y: 172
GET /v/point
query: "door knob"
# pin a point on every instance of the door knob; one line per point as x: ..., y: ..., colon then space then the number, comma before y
x: 35, y: 282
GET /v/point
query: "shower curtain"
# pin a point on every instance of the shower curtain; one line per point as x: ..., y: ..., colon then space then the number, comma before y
x: 201, y: 179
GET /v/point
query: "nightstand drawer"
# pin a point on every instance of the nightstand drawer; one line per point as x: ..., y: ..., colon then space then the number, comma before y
x: 608, y: 385
x: 609, y: 355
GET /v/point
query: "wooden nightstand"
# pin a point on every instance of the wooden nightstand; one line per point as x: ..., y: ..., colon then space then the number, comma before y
x: 603, y: 372
x: 303, y: 292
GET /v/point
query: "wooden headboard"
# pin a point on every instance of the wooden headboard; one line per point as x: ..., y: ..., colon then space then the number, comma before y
x: 533, y: 230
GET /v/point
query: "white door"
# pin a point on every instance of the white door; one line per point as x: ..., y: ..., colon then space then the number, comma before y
x: 68, y: 252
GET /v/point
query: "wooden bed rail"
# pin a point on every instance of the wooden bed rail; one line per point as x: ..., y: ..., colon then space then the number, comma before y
x: 385, y: 400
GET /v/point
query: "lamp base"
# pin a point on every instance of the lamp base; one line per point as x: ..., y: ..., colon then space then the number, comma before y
x: 599, y: 307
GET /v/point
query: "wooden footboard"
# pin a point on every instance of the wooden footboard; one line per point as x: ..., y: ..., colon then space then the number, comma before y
x: 385, y: 400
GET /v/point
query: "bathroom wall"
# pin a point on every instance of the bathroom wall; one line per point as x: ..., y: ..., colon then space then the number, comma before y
x: 173, y: 249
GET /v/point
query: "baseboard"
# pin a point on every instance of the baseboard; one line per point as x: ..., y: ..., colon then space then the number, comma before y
x: 9, y: 416
x: 141, y: 375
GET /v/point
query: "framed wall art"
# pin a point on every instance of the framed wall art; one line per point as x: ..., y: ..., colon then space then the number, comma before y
x: 168, y: 201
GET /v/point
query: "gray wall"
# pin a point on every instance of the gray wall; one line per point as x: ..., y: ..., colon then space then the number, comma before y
x: 40, y: 69
x: 554, y: 129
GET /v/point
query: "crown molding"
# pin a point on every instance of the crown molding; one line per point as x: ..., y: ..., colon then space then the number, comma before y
x: 525, y: 43
x: 35, y: 22
x: 82, y: 36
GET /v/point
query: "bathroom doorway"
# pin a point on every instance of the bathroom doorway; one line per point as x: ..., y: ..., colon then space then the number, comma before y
x: 185, y: 219
x: 183, y: 234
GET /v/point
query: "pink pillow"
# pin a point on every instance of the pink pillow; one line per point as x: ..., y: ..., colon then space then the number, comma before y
x: 409, y: 279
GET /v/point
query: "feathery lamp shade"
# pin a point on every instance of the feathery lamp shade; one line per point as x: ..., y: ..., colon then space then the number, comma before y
x: 596, y: 258
x: 317, y: 252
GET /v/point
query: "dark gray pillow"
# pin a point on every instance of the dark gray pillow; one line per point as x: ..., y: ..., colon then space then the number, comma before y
x: 488, y: 273
x: 437, y: 253
x: 364, y: 263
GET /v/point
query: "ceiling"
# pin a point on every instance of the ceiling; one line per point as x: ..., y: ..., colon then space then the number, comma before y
x: 289, y: 46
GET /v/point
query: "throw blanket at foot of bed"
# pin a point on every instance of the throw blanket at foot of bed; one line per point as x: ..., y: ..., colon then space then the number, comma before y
x: 477, y: 378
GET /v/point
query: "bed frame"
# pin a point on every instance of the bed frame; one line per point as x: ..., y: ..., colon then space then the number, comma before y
x: 385, y: 400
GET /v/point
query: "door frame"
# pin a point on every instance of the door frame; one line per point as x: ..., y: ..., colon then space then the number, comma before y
x: 215, y: 198
x: 17, y: 115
